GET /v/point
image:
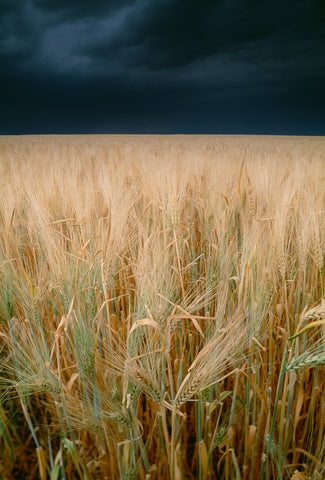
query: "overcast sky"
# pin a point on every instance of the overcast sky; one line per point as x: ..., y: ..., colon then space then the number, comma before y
x: 162, y: 66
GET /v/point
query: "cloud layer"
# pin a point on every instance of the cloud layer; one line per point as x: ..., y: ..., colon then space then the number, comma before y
x: 163, y: 66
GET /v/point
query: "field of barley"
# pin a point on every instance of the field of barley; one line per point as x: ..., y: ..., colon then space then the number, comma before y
x: 162, y: 311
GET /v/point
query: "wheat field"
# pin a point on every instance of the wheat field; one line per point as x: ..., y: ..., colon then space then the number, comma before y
x: 162, y: 311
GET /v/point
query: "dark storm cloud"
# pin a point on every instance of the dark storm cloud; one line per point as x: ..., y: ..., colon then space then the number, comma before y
x: 75, y: 9
x: 163, y: 61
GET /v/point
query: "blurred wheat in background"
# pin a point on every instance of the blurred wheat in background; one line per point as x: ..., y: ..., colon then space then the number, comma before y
x: 161, y: 307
